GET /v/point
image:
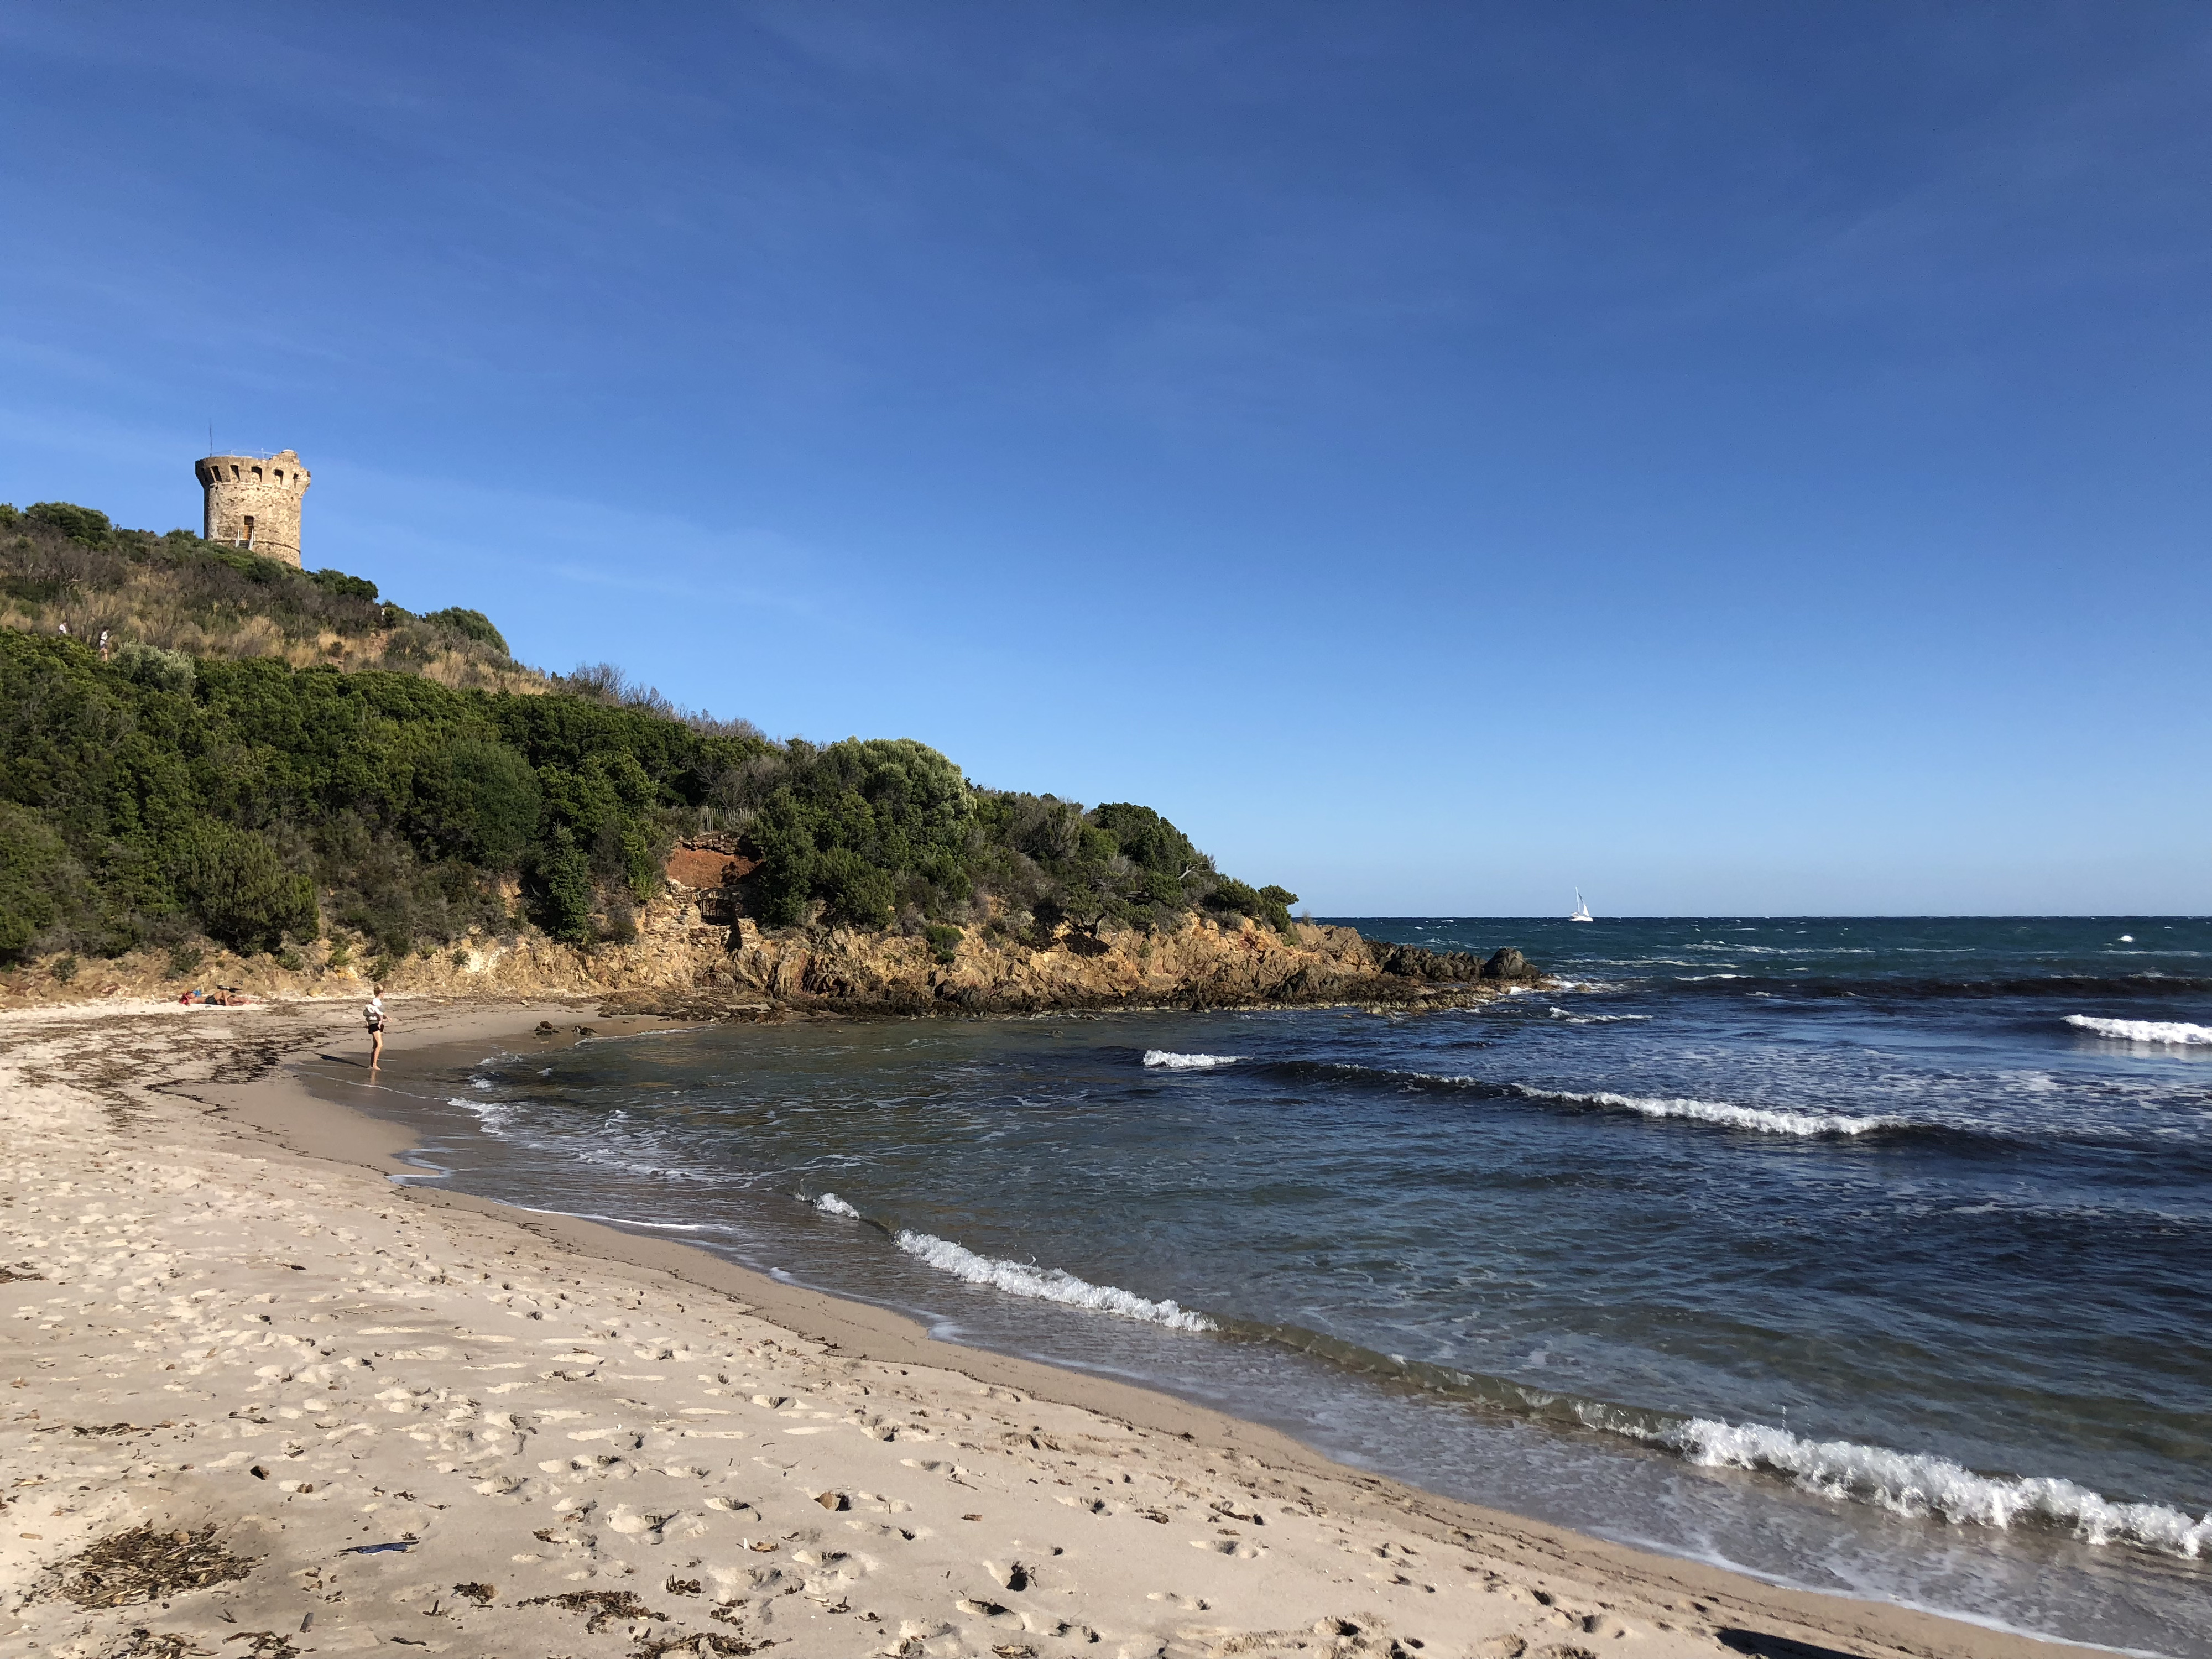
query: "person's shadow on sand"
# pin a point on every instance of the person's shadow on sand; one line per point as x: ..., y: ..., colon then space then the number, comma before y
x: 1762, y: 1646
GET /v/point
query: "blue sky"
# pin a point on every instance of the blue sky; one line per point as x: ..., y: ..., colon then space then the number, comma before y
x: 1731, y: 458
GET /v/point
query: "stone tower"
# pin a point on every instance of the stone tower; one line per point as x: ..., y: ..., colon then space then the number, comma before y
x: 253, y: 503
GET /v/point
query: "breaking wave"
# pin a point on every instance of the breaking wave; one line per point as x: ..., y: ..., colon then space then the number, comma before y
x: 1047, y: 1284
x: 1915, y: 1484
x: 1169, y: 1061
x: 492, y: 1116
x: 1766, y: 1119
x: 1908, y: 1484
x: 831, y: 1204
x: 2144, y: 1030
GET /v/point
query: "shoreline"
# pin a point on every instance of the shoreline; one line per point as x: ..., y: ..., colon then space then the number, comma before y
x: 1530, y: 1573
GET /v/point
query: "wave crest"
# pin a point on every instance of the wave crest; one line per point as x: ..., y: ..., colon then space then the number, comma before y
x: 1169, y: 1059
x: 2144, y: 1030
x: 1766, y: 1119
x: 1915, y: 1484
x: 1047, y: 1284
x: 831, y: 1204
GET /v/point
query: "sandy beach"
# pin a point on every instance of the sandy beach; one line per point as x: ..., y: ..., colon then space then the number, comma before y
x: 262, y: 1402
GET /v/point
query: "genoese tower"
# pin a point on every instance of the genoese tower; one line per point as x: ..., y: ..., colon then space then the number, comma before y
x: 253, y: 503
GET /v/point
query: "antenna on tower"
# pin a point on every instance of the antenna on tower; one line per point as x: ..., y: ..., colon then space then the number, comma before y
x: 211, y: 435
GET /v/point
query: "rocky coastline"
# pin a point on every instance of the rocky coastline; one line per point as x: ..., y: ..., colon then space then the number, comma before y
x: 696, y: 955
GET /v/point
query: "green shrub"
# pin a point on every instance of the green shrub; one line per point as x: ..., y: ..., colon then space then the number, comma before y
x: 854, y: 891
x: 290, y: 960
x: 79, y: 524
x: 241, y: 890
x: 1269, y: 904
x: 184, y: 959
x: 562, y: 878
x: 1150, y: 841
x: 65, y: 970
x: 478, y: 800
x: 944, y: 940
x: 468, y: 624
x: 36, y: 878
x: 154, y: 668
x: 344, y: 587
x: 1277, y: 914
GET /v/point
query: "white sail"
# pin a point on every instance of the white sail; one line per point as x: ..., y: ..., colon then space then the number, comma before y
x: 1582, y: 909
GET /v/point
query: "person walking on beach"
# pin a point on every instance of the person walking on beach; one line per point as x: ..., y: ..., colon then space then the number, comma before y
x: 374, y: 1014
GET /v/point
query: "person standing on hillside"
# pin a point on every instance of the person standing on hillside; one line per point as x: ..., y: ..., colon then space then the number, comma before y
x: 374, y: 1015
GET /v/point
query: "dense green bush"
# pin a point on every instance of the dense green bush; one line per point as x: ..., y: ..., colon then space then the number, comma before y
x: 1268, y: 904
x: 468, y: 624
x: 237, y: 885
x: 146, y: 797
x: 34, y: 878
x: 79, y: 524
x: 155, y: 796
x: 346, y: 586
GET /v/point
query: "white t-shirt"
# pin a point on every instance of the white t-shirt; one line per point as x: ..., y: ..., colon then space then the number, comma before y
x: 375, y: 1012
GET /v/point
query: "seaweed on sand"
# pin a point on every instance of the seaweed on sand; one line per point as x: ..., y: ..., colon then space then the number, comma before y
x: 143, y: 1564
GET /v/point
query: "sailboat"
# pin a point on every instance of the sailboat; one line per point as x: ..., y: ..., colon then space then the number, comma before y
x: 1582, y: 909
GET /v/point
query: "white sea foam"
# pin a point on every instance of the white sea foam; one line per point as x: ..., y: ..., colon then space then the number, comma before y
x: 1047, y: 1284
x: 1573, y: 1018
x: 1766, y: 1119
x: 1918, y: 1484
x: 2144, y: 1030
x: 831, y: 1204
x: 492, y: 1116
x: 1172, y: 1061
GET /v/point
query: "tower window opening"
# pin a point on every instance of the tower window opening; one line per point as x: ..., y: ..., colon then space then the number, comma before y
x: 256, y: 471
x: 280, y: 475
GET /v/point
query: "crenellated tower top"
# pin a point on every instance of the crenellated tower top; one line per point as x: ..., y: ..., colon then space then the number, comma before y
x: 254, y: 501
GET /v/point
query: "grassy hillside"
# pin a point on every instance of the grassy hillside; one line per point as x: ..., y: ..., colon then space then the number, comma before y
x: 195, y: 786
x: 65, y: 566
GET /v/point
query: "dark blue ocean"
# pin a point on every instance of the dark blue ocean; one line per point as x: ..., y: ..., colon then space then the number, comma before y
x: 1869, y: 1255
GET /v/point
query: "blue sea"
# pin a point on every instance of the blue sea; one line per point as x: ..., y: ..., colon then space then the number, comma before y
x: 1868, y: 1256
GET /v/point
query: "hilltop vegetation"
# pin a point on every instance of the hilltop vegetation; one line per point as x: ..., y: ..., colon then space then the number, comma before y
x: 65, y: 566
x: 209, y: 788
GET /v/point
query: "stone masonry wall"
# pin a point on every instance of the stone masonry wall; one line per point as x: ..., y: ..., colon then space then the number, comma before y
x: 268, y: 490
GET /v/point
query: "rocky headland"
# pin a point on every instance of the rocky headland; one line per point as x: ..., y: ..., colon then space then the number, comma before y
x: 697, y: 954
